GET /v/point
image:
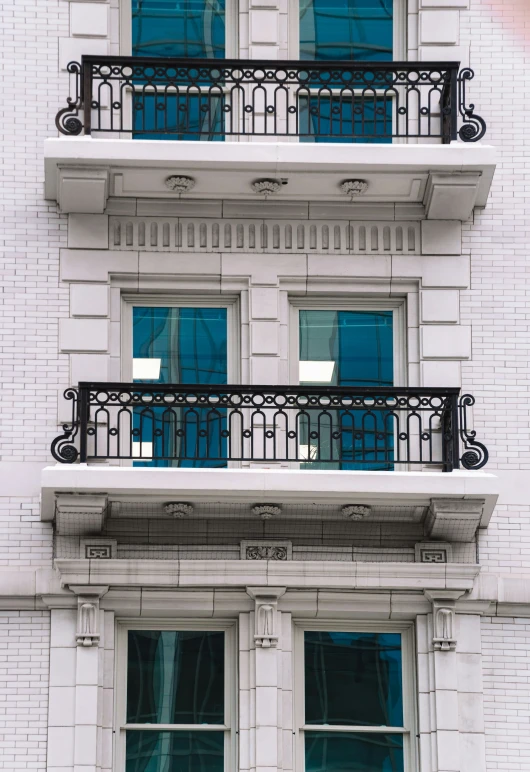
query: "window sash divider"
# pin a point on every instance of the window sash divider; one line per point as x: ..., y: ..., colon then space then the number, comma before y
x: 176, y: 727
x: 354, y: 729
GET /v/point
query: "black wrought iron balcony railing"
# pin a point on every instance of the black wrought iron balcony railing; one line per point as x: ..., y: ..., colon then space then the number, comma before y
x: 344, y: 101
x: 312, y: 427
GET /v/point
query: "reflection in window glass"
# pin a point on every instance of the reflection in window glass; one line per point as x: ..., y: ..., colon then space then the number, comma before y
x: 353, y: 679
x: 342, y: 119
x: 359, y: 342
x: 186, y: 751
x: 175, y: 677
x: 191, y: 117
x: 351, y: 752
x: 179, y: 346
x: 347, y: 348
x: 191, y: 343
x: 333, y: 30
x: 187, y: 28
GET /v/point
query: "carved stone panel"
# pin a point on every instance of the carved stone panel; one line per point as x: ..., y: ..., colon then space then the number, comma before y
x: 266, y: 550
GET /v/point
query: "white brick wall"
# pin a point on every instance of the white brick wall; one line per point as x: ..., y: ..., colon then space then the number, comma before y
x: 506, y: 673
x: 24, y: 667
x: 497, y: 305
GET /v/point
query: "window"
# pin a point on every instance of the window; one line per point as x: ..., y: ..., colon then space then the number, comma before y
x: 361, y: 30
x: 188, y: 343
x: 353, y: 699
x: 188, y: 28
x: 175, y: 699
x: 204, y: 29
x: 347, y: 30
x: 348, y: 348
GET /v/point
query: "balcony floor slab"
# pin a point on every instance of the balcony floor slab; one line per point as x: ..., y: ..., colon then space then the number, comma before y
x: 82, y: 172
x: 254, y: 486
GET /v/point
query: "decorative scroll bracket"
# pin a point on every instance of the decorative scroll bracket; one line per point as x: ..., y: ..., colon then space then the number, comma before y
x: 266, y: 629
x: 443, y: 618
x: 88, y: 598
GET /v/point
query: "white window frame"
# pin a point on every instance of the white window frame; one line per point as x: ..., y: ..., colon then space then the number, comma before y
x: 230, y: 727
x: 399, y: 327
x: 410, y: 719
x: 399, y: 30
x: 231, y: 27
x: 399, y: 41
x: 233, y: 329
x: 182, y: 301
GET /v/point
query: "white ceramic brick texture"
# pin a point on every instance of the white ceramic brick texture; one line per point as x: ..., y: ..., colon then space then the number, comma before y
x: 506, y: 673
x: 24, y: 670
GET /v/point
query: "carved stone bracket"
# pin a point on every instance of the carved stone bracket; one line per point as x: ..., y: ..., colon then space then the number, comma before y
x: 443, y: 618
x: 88, y: 597
x: 266, y: 628
x: 78, y: 513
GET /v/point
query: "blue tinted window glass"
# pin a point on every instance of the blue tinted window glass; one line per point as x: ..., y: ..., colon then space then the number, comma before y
x: 190, y: 117
x: 191, y: 343
x: 353, y: 679
x: 175, y: 677
x: 347, y: 348
x: 346, y: 29
x: 343, y: 119
x: 360, y: 343
x: 179, y: 346
x: 151, y: 751
x: 351, y: 752
x: 187, y: 28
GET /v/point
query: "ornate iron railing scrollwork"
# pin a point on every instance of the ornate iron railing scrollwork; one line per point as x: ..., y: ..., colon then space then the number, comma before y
x: 315, y: 426
x: 67, y: 120
x: 63, y: 448
x: 474, y: 127
x: 211, y: 99
x: 476, y: 454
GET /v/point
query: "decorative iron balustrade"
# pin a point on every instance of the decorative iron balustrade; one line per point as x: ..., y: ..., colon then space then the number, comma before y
x: 315, y: 101
x: 315, y: 426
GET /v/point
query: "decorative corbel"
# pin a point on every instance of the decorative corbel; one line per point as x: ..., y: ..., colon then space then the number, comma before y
x: 443, y: 618
x: 88, y: 597
x: 266, y: 628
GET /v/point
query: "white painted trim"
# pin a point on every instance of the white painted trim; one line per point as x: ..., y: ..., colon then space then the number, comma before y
x: 230, y: 726
x: 409, y: 685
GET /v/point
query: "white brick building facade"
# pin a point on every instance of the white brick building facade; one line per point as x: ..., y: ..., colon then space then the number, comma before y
x: 90, y: 231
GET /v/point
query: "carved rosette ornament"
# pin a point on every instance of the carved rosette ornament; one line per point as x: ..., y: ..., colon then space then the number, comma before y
x: 355, y: 511
x: 266, y: 187
x: 179, y: 184
x: 266, y: 511
x: 353, y: 188
x: 178, y: 509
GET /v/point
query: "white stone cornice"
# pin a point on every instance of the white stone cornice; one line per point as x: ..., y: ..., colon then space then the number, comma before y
x: 242, y: 573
